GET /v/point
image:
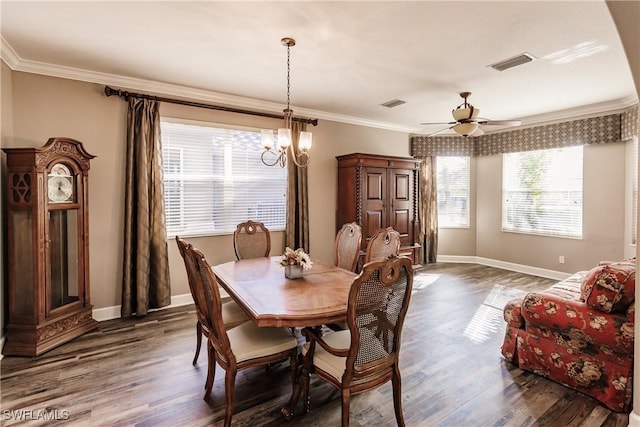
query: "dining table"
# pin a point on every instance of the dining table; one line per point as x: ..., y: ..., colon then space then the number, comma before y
x: 270, y: 299
x: 260, y: 288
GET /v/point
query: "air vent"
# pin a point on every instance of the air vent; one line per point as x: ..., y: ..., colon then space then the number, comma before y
x: 513, y: 62
x: 393, y: 103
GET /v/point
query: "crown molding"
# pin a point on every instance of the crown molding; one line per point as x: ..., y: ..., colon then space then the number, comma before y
x: 17, y: 63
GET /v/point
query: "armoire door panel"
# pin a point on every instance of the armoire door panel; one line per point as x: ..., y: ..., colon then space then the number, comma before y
x: 375, y: 185
x: 373, y: 221
x: 402, y: 222
x: 402, y: 187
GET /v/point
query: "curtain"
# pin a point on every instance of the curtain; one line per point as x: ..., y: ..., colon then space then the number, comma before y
x: 297, y: 227
x: 428, y: 210
x: 145, y: 281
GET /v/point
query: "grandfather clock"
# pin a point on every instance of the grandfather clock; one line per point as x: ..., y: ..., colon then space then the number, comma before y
x: 47, y: 246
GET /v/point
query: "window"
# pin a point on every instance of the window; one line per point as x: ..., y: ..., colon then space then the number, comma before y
x: 542, y: 192
x: 453, y: 191
x: 214, y: 179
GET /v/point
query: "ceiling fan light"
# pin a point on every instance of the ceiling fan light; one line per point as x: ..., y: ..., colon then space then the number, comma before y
x: 467, y: 113
x: 465, y: 129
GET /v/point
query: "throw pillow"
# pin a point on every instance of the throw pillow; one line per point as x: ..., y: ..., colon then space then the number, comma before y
x: 609, y: 287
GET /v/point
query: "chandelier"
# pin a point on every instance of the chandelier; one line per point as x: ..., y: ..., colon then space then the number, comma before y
x: 279, y: 148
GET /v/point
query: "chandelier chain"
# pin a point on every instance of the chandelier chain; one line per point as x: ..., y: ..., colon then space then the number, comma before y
x: 288, y: 75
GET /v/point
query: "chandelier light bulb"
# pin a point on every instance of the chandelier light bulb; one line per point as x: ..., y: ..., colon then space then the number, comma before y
x: 305, y: 141
x: 267, y: 138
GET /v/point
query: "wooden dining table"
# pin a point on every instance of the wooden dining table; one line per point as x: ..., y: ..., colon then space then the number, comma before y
x: 261, y: 289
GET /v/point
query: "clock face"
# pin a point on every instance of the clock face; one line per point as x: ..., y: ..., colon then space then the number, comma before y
x: 60, y: 184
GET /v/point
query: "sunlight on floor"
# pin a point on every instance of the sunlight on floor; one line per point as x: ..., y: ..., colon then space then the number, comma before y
x: 421, y: 281
x: 488, y: 320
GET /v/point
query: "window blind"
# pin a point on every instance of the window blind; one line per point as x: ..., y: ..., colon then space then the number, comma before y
x: 452, y: 182
x: 542, y: 192
x: 214, y: 179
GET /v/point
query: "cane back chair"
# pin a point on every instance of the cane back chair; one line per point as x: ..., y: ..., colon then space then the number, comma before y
x: 238, y: 348
x: 347, y: 246
x: 251, y: 239
x: 366, y: 355
x: 384, y: 242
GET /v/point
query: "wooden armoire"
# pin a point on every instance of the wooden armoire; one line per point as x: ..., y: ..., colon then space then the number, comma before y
x: 378, y: 192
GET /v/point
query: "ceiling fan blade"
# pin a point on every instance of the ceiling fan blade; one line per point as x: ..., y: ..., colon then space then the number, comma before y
x: 440, y: 123
x: 440, y: 131
x: 477, y: 132
x: 500, y: 122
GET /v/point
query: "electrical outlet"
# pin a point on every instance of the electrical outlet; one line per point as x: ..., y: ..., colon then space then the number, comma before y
x: 561, y: 259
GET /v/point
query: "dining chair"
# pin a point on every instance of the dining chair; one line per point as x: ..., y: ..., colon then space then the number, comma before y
x: 384, y: 242
x: 232, y: 314
x: 347, y: 246
x: 240, y: 347
x: 366, y: 355
x: 251, y: 239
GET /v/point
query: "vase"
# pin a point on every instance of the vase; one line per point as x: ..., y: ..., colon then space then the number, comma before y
x: 293, y: 271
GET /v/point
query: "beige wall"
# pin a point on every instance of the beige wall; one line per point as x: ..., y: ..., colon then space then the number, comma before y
x: 603, y: 216
x: 47, y: 106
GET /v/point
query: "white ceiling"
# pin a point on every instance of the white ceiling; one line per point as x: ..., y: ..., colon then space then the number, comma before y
x: 350, y: 56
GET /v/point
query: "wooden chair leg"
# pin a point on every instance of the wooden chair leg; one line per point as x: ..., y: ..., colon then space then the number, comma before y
x: 397, y: 396
x: 229, y: 386
x: 198, y: 342
x: 346, y: 402
x: 211, y: 370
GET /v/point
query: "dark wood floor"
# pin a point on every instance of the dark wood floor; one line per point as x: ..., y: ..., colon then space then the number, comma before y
x: 139, y: 373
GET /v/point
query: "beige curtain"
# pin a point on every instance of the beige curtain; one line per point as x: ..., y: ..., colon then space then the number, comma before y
x: 428, y: 210
x: 145, y: 281
x: 297, y: 228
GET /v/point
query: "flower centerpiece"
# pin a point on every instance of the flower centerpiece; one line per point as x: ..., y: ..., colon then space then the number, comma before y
x: 295, y: 262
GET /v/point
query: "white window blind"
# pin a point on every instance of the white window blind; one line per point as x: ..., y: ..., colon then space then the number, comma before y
x: 452, y: 181
x: 542, y: 192
x: 214, y: 179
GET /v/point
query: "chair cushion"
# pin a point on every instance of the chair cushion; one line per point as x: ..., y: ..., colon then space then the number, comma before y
x: 232, y: 314
x: 610, y: 287
x: 327, y: 362
x: 249, y: 341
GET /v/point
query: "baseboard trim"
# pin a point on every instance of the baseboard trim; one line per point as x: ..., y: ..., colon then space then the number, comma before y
x: 113, y: 312
x: 520, y: 268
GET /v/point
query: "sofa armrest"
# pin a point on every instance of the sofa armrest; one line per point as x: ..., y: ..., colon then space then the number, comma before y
x: 512, y: 313
x: 574, y: 320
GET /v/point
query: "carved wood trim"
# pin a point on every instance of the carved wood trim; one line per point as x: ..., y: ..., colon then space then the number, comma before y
x: 63, y: 325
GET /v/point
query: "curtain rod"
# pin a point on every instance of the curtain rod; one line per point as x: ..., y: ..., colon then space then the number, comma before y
x: 126, y: 95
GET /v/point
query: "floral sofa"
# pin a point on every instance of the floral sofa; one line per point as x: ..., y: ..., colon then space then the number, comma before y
x: 579, y: 332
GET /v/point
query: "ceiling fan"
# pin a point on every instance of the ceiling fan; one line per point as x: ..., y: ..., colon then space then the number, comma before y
x: 467, y: 121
